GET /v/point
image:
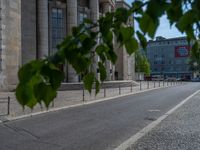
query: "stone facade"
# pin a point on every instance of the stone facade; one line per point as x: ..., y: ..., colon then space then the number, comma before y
x: 10, y: 48
x: 125, y: 65
x: 31, y: 29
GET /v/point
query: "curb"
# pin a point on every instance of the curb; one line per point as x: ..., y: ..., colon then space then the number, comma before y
x: 80, y: 104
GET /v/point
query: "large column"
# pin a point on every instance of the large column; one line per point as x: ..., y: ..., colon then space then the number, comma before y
x: 94, y: 16
x: 42, y: 28
x: 94, y: 9
x: 107, y: 8
x: 71, y: 22
x: 10, y: 45
x: 28, y: 32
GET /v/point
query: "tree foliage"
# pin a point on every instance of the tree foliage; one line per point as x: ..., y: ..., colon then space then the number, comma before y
x: 141, y: 63
x: 39, y: 80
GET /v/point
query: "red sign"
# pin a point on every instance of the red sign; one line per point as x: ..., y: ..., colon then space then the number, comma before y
x: 182, y: 51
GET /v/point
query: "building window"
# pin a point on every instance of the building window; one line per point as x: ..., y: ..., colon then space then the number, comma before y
x: 82, y: 16
x: 83, y: 13
x: 57, y: 27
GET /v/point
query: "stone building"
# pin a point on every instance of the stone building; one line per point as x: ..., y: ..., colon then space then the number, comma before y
x: 31, y: 29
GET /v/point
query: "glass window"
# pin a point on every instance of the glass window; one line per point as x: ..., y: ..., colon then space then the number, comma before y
x: 82, y: 16
x: 57, y: 26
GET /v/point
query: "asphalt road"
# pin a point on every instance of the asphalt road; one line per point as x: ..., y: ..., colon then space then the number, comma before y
x: 99, y: 126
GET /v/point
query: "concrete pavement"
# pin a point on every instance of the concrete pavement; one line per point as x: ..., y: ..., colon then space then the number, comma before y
x: 179, y: 131
x: 99, y: 126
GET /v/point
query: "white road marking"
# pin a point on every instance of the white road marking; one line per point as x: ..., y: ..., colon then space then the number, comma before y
x: 154, y: 110
x: 149, y: 127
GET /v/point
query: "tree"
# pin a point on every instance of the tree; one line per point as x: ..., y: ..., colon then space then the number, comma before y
x: 40, y: 79
x: 141, y: 63
x: 194, y: 60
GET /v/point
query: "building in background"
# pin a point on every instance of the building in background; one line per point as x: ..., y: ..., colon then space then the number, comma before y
x: 31, y: 29
x: 169, y: 57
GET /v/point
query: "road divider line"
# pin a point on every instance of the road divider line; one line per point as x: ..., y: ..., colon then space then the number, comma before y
x: 128, y: 143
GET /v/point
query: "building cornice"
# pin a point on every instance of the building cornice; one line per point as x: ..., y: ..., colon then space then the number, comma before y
x: 112, y: 2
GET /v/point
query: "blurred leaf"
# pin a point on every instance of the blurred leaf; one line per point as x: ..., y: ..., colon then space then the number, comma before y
x: 142, y: 39
x: 127, y: 33
x: 45, y: 93
x: 102, y: 71
x: 148, y: 25
x: 97, y: 86
x: 100, y: 49
x: 88, y: 81
x: 131, y: 46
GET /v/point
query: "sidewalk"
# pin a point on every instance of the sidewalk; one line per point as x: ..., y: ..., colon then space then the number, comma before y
x: 76, y: 97
x: 179, y: 131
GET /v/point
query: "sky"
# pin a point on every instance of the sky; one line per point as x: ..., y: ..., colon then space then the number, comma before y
x: 164, y: 29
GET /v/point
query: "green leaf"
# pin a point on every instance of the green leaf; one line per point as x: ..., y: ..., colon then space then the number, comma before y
x: 148, y: 25
x: 186, y: 20
x: 111, y: 55
x: 53, y: 75
x: 97, y: 86
x: 87, y: 45
x: 131, y: 46
x: 100, y: 50
x: 105, y: 23
x: 88, y: 81
x: 102, y: 71
x: 127, y: 33
x: 122, y: 15
x: 24, y: 94
x: 156, y: 8
x: 136, y: 7
x: 77, y: 30
x: 142, y: 39
x: 45, y: 93
x: 28, y: 70
x: 108, y: 38
x: 87, y: 21
x: 174, y: 12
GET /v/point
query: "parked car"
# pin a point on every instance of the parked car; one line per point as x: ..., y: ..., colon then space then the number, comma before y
x: 195, y: 80
x: 170, y: 79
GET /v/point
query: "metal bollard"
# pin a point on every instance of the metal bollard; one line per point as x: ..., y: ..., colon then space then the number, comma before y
x: 159, y: 83
x: 53, y: 103
x: 163, y: 83
x: 8, y: 111
x: 154, y: 84
x: 147, y: 84
x: 140, y: 85
x: 83, y: 94
x: 131, y: 87
x: 167, y: 83
x: 104, y: 92
x: 119, y: 90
